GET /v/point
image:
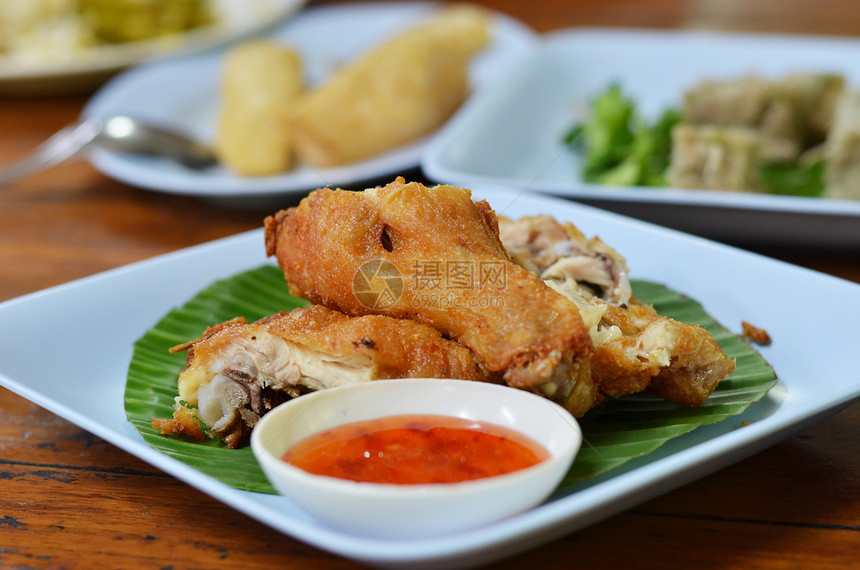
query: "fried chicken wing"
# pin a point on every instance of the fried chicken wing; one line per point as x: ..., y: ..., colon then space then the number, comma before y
x: 236, y: 371
x: 433, y: 255
x: 634, y: 347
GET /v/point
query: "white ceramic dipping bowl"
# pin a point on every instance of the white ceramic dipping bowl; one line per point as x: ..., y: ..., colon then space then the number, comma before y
x: 413, y: 511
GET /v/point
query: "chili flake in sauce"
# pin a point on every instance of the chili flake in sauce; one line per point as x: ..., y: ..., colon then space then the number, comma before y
x: 415, y: 449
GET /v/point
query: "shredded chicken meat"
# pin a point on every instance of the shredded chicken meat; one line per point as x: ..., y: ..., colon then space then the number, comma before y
x: 634, y: 348
x: 237, y: 371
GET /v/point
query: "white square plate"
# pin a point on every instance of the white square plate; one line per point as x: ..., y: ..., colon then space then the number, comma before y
x: 68, y: 349
x: 514, y: 134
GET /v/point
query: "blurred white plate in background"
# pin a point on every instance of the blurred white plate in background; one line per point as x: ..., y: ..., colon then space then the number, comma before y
x: 183, y: 93
x: 93, y: 65
x: 514, y: 134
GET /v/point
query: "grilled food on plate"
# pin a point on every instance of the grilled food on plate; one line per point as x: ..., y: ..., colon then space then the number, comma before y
x: 409, y: 280
x: 454, y: 273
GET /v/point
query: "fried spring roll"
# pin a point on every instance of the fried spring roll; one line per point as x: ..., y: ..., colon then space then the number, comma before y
x: 260, y: 82
x: 402, y: 90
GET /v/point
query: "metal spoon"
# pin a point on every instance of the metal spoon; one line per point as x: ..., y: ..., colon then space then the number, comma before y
x: 121, y: 134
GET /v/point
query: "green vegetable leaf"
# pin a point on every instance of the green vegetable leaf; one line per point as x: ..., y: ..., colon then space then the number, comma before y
x: 794, y: 179
x: 623, y: 430
x: 618, y: 146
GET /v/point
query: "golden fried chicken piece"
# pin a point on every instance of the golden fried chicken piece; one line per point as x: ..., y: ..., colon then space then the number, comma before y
x: 433, y: 255
x: 634, y: 347
x: 237, y: 371
x: 676, y: 361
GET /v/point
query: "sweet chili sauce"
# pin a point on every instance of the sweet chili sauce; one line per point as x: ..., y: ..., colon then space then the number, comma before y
x: 415, y: 449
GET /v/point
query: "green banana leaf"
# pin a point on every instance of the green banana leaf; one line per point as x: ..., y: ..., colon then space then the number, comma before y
x: 623, y: 430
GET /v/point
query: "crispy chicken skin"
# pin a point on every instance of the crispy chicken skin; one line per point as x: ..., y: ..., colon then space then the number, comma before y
x: 634, y: 347
x: 676, y: 361
x: 400, y: 274
x: 433, y: 255
x: 236, y: 371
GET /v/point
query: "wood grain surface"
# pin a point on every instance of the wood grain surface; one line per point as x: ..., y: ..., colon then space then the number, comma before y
x: 70, y: 500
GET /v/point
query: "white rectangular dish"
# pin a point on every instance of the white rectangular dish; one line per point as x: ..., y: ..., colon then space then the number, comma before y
x: 514, y: 134
x: 91, y: 324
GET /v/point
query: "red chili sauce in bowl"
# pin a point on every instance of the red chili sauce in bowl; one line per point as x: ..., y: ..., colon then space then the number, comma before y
x: 415, y: 449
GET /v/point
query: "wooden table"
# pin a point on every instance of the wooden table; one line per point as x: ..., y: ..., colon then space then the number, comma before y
x: 69, y: 499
